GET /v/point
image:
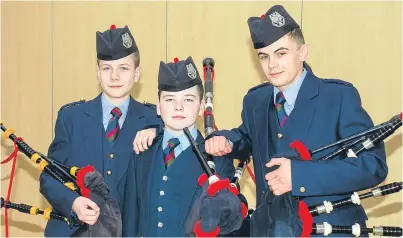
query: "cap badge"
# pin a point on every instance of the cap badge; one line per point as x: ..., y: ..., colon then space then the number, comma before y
x: 191, y: 71
x: 276, y: 19
x: 126, y: 40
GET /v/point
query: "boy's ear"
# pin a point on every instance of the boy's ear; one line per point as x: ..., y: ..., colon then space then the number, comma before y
x: 201, y: 110
x: 304, y: 51
x: 98, y: 73
x: 158, y: 108
x: 137, y: 74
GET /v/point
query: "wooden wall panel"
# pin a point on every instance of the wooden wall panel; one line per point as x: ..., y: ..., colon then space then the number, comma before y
x: 75, y: 52
x: 26, y: 104
x: 361, y: 42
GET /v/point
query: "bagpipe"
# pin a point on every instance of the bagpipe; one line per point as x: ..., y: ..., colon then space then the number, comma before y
x: 209, y: 122
x: 286, y: 215
x: 209, y: 180
x: 86, y: 182
x: 356, y: 230
x: 355, y: 199
x: 213, y: 188
x: 33, y: 210
x: 71, y: 177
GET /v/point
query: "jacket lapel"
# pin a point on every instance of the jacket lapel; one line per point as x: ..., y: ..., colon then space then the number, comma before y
x: 134, y: 121
x: 273, y: 127
x: 261, y: 124
x: 299, y: 121
x: 93, y: 132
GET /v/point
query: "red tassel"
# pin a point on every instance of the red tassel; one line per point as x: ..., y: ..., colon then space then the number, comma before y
x: 307, y: 219
x: 85, y: 192
x: 200, y: 233
x: 262, y: 17
x: 176, y: 60
x: 301, y: 149
x: 113, y: 27
x: 218, y: 186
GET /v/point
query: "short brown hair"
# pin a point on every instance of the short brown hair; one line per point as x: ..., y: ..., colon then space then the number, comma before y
x: 136, y: 59
x: 136, y: 56
x: 296, y: 34
x: 200, y: 90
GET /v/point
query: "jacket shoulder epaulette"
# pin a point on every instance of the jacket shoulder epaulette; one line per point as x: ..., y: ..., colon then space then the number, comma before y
x: 72, y: 104
x: 258, y: 87
x: 337, y: 81
x: 147, y: 104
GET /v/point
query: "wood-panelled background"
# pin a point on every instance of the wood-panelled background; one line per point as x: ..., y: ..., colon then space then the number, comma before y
x: 48, y: 59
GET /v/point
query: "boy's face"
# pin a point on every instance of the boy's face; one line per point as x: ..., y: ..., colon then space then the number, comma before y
x: 117, y: 77
x: 281, y: 61
x: 180, y: 109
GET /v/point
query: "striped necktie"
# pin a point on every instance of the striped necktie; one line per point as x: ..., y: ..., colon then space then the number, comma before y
x: 112, y: 131
x: 169, y: 151
x: 281, y: 114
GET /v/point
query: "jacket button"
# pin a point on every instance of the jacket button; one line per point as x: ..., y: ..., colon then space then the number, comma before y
x: 279, y: 135
x: 108, y: 172
x: 302, y: 189
x: 162, y: 193
x: 160, y: 224
x: 111, y: 155
x: 160, y: 209
x: 165, y: 178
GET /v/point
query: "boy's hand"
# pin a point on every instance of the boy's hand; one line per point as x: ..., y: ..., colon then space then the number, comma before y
x: 217, y: 146
x: 87, y: 211
x: 144, y: 139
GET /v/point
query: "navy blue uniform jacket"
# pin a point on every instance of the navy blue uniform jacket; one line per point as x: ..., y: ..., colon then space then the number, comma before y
x: 158, y: 201
x: 325, y: 111
x: 79, y: 141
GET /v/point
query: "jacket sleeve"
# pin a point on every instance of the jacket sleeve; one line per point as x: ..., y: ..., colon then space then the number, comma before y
x: 153, y: 120
x: 58, y: 195
x: 239, y: 137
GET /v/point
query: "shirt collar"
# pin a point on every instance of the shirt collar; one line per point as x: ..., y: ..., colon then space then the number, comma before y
x: 107, y: 107
x: 291, y: 92
x: 184, y: 141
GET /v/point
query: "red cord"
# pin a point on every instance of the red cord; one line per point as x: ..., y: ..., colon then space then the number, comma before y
x: 247, y: 166
x: 14, y: 153
x: 215, y: 127
x: 251, y: 173
x: 205, y: 73
x: 13, y: 156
